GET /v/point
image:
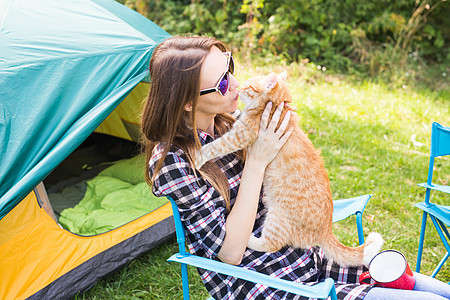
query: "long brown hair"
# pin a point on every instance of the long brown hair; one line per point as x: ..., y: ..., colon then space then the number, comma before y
x: 175, y: 81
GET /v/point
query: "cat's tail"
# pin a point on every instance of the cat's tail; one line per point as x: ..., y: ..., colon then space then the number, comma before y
x: 353, y: 256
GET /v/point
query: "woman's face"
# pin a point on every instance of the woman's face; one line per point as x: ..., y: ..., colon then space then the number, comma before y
x: 213, y: 67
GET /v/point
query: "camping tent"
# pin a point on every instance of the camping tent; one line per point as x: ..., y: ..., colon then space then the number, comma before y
x: 65, y: 65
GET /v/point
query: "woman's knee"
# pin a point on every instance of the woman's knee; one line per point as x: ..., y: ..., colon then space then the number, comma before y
x: 426, y: 283
x: 379, y: 293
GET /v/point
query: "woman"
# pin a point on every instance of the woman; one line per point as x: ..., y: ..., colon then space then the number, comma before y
x: 192, y: 96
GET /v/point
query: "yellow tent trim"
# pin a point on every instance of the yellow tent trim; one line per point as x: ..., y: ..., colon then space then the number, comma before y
x: 36, y: 251
x: 124, y: 121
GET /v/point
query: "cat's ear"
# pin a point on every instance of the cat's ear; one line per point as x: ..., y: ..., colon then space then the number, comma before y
x: 270, y: 81
x: 282, y: 76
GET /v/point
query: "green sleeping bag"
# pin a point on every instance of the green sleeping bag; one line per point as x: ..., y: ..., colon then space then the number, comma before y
x: 116, y: 196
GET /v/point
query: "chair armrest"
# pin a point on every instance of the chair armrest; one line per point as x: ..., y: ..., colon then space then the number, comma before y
x: 319, y: 290
x: 439, y: 211
x: 344, y: 208
x: 437, y: 187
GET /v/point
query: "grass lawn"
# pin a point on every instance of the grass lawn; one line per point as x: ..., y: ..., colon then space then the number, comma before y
x: 374, y: 139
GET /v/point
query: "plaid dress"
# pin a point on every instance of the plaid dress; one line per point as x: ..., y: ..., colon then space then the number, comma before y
x: 203, y: 213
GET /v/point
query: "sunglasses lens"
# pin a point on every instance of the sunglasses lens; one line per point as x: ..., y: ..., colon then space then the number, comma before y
x: 223, y: 85
x: 231, y: 67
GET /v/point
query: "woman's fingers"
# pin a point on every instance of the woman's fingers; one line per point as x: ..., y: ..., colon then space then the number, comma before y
x: 269, y: 140
x: 283, y: 134
x: 284, y: 123
x: 265, y: 116
x: 286, y: 136
x: 275, y: 118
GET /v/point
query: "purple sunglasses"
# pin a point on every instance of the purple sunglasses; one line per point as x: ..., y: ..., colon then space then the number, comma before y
x: 224, y: 82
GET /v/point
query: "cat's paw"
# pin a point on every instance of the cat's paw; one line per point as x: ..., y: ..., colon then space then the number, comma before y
x: 261, y: 244
x: 198, y: 160
x: 254, y: 243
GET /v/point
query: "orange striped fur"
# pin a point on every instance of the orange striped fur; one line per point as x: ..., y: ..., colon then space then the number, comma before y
x: 296, y: 186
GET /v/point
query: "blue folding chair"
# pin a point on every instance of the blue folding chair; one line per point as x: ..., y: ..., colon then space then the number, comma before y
x: 342, y: 210
x: 439, y: 214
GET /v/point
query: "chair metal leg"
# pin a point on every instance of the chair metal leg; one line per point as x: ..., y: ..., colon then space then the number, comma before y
x: 444, y: 241
x: 184, y: 280
x: 441, y: 263
x: 359, y: 227
x: 438, y: 225
x: 333, y: 295
x: 444, y: 229
x: 422, y: 237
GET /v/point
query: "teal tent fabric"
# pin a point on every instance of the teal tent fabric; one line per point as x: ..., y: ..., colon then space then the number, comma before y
x: 64, y: 66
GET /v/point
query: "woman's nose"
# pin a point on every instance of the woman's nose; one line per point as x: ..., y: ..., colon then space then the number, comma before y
x: 234, y: 83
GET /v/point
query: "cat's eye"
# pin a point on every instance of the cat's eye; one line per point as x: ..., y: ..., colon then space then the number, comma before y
x: 223, y: 85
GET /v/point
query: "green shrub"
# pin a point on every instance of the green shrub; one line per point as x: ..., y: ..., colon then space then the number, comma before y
x: 379, y: 38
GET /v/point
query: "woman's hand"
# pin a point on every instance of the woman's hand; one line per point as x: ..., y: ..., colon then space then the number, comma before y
x: 240, y: 221
x: 270, y: 141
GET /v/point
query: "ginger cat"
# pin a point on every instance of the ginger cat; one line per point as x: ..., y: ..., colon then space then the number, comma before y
x: 296, y: 186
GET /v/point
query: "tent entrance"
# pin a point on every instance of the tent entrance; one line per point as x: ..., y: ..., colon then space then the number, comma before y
x: 66, y: 185
x: 100, y: 186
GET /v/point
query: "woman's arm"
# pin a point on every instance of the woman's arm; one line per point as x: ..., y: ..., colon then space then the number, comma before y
x: 240, y: 221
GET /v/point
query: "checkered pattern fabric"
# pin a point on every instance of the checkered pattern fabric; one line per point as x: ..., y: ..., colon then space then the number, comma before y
x: 203, y: 213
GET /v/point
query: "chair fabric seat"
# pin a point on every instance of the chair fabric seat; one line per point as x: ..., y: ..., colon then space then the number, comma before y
x: 437, y: 187
x: 439, y: 211
x: 342, y: 209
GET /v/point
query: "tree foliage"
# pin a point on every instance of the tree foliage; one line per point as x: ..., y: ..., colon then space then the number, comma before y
x: 374, y: 36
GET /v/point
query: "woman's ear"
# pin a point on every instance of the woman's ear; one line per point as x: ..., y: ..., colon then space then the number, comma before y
x: 188, y: 107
